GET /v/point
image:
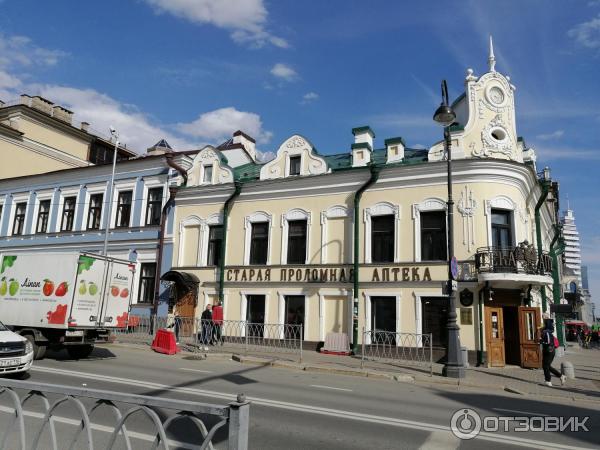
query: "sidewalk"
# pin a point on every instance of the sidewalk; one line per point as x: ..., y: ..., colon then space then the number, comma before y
x: 528, y: 382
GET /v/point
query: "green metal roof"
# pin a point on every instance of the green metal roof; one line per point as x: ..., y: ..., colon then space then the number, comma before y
x: 247, y: 172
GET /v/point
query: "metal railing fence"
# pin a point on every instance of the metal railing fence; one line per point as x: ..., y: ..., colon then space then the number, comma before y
x: 230, y: 335
x: 162, y: 413
x: 406, y: 348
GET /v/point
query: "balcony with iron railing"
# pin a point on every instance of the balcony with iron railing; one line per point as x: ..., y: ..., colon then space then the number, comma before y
x: 521, y: 260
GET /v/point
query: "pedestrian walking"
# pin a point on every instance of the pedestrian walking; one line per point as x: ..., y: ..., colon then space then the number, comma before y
x: 206, y: 320
x: 217, y: 320
x: 549, y: 345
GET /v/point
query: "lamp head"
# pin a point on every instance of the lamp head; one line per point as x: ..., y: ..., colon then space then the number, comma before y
x: 444, y: 115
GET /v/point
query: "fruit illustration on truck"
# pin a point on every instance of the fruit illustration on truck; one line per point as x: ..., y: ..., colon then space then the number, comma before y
x: 114, y: 291
x: 92, y: 288
x: 125, y: 293
x: 3, y: 287
x: 57, y: 316
x: 82, y: 287
x: 122, y: 320
x: 13, y: 287
x: 48, y: 287
x: 62, y: 289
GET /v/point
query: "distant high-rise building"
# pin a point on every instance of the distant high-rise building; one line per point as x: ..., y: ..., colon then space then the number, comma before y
x: 572, y: 249
x: 584, y: 278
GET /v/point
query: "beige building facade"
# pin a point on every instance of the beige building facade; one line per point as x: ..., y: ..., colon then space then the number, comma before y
x: 289, y: 232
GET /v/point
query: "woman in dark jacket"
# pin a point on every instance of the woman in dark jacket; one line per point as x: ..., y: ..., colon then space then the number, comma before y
x: 548, y: 352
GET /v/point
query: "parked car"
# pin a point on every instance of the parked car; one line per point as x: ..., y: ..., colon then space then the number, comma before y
x: 16, y: 352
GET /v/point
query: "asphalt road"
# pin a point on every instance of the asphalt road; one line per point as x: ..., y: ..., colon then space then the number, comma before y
x: 301, y: 410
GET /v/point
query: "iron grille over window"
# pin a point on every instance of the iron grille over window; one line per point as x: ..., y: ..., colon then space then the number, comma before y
x: 296, y: 251
x: 68, y: 215
x: 95, y: 212
x: 433, y: 236
x: 124, y: 209
x: 215, y: 236
x: 19, y: 221
x: 259, y: 245
x: 147, y: 280
x: 295, y: 165
x: 43, y: 216
x: 382, y: 239
x: 154, y: 205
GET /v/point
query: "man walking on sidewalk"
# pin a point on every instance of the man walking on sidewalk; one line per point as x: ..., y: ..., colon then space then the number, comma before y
x: 206, y: 321
x: 549, y: 345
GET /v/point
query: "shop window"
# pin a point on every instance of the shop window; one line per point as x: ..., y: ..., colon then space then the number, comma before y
x: 296, y: 251
x: 435, y: 319
x: 147, y: 280
x: 215, y: 236
x: 259, y: 243
x: 255, y: 315
x: 154, y: 205
x: 433, y: 236
x: 95, y: 212
x: 383, y: 320
x: 68, y: 214
x: 123, y: 209
x: 501, y: 229
x: 43, y: 216
x: 295, y: 164
x: 19, y: 220
x: 382, y: 239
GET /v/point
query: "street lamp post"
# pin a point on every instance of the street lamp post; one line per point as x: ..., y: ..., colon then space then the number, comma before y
x: 453, y: 368
x: 115, y: 135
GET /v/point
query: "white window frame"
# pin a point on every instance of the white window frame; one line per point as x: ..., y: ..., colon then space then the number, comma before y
x: 89, y: 191
x: 2, y: 211
x: 367, y: 295
x: 429, y: 204
x: 504, y: 203
x: 122, y: 187
x: 281, y: 309
x: 382, y: 209
x: 213, y: 219
x: 150, y: 183
x: 294, y: 214
x: 190, y: 222
x: 334, y: 293
x: 256, y: 217
x: 66, y: 192
x: 17, y: 198
x: 244, y: 306
x: 40, y: 196
x: 203, y: 168
x: 336, y: 212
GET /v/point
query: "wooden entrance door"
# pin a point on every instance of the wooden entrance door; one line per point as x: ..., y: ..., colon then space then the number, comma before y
x: 494, y: 332
x: 529, y: 321
x: 185, y: 309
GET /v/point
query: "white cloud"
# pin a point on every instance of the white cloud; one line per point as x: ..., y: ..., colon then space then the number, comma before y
x: 284, y: 72
x: 549, y: 136
x: 20, y: 51
x: 220, y: 124
x: 309, y: 97
x: 587, y: 33
x: 554, y: 153
x: 245, y: 19
x: 264, y: 157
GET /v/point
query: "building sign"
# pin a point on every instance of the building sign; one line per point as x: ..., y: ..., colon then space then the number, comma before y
x: 324, y: 274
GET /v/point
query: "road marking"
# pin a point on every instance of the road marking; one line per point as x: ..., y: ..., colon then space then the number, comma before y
x: 103, y: 428
x: 310, y: 409
x: 439, y: 440
x: 330, y: 387
x: 521, y: 412
x: 195, y: 370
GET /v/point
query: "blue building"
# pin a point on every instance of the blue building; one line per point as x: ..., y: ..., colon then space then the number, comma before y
x: 67, y: 210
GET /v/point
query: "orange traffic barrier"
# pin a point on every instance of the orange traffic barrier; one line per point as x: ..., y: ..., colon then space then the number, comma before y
x: 164, y: 342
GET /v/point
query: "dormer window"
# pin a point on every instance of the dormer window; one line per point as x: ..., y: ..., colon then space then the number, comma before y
x: 394, y: 150
x: 208, y: 173
x: 295, y: 162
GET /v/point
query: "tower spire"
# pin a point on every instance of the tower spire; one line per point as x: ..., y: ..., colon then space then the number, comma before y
x: 491, y: 57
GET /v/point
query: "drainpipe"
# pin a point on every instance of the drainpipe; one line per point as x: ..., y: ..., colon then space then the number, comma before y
x: 545, y: 184
x: 373, y: 178
x: 163, y: 222
x: 236, y: 192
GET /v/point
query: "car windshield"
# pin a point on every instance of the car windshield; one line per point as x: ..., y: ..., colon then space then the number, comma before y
x: 3, y: 327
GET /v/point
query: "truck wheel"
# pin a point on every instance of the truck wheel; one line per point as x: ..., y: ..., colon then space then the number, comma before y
x: 39, y: 351
x: 80, y: 351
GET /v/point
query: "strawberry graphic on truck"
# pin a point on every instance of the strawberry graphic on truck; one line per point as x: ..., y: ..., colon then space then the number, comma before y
x: 57, y: 316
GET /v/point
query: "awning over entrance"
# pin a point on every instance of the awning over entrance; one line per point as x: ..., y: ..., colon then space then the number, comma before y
x: 185, y: 281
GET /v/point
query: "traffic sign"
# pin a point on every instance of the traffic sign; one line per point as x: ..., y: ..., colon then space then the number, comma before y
x: 454, y: 268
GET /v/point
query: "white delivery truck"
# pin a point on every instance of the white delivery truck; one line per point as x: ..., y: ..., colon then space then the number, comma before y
x: 69, y: 300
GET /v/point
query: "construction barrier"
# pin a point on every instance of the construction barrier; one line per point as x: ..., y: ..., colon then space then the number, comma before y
x: 164, y: 342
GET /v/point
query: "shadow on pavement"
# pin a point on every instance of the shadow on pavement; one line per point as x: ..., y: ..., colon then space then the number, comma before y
x: 99, y: 353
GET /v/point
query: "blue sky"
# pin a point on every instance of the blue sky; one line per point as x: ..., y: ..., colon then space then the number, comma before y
x: 193, y: 71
